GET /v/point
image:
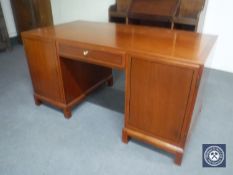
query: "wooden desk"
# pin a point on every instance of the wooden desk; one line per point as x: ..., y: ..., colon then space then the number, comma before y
x: 163, y: 71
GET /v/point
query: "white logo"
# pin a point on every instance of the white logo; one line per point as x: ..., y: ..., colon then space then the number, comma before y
x: 214, y: 156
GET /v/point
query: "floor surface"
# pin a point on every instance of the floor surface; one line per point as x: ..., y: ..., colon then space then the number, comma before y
x: 40, y: 141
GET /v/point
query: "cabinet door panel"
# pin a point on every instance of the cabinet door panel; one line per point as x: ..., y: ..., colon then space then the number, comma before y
x: 158, y: 98
x: 43, y: 66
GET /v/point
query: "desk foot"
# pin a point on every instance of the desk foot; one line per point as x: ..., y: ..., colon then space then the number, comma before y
x: 110, y: 82
x: 37, y: 101
x: 125, y: 137
x: 178, y: 158
x: 67, y: 113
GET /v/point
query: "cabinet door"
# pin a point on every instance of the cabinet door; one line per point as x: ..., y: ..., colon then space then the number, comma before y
x: 159, y: 96
x: 43, y: 66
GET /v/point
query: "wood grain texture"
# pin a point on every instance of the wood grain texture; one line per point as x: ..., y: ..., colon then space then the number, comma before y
x: 159, y: 98
x: 163, y: 73
x: 78, y: 77
x: 162, y: 99
x: 90, y: 54
x: 59, y: 81
x: 123, y: 5
x: 42, y: 61
x: 184, y: 46
x: 153, y: 10
x: 179, y: 14
x: 31, y: 14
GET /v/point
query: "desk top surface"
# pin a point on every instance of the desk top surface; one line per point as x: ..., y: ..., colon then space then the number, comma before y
x: 185, y: 46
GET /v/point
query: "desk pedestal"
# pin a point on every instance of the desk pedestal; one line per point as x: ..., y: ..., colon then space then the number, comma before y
x: 60, y: 81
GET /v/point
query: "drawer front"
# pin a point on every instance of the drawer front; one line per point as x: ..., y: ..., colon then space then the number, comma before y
x: 97, y: 56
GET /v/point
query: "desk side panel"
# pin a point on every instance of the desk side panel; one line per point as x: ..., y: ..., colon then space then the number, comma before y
x: 43, y: 66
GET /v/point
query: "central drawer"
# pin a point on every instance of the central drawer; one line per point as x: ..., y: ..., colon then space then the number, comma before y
x: 100, y: 56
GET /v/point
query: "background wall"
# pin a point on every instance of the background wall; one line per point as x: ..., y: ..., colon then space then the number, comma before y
x: 7, y: 12
x: 216, y: 19
x: 219, y: 21
x: 69, y: 10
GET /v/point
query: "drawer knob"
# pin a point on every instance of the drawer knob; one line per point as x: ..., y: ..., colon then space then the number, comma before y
x: 85, y: 52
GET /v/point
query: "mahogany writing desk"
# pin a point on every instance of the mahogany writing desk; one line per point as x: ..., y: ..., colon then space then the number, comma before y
x: 163, y: 71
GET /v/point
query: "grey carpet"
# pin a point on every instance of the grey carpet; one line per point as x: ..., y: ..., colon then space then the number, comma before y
x: 38, y: 140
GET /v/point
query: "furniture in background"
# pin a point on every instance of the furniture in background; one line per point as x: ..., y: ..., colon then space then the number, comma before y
x: 122, y: 5
x: 30, y: 14
x: 188, y: 13
x: 4, y: 36
x: 118, y: 12
x: 163, y: 73
x: 152, y: 12
x: 179, y: 14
